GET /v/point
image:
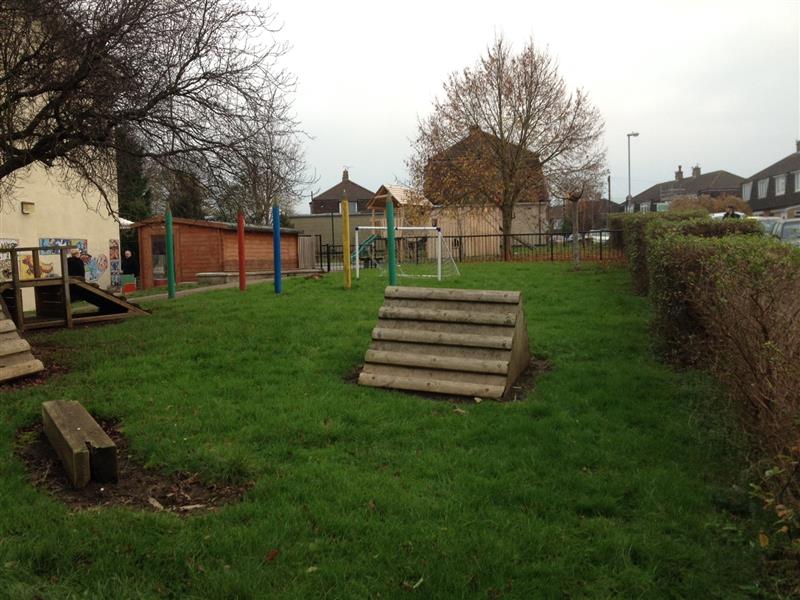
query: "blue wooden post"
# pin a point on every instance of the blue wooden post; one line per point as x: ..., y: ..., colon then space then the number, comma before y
x: 276, y: 241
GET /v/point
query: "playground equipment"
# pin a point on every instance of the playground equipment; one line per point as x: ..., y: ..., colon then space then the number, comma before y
x: 348, y: 277
x: 448, y: 341
x: 85, y: 450
x: 16, y: 359
x: 54, y: 295
x: 425, y: 249
x: 276, y: 246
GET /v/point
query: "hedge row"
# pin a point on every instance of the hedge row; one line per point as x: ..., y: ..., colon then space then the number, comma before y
x: 640, y: 229
x: 731, y: 304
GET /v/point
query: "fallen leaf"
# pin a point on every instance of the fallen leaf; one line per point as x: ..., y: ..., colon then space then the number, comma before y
x: 191, y: 507
x: 272, y: 555
x: 459, y: 411
x: 311, y: 569
x: 478, y: 400
x: 409, y: 585
x: 155, y: 503
x: 371, y: 505
x: 763, y: 540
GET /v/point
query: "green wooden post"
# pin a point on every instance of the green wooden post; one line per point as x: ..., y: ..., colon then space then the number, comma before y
x: 390, y: 240
x: 170, y: 256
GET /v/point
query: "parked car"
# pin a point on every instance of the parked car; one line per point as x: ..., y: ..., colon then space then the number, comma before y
x: 768, y: 223
x: 598, y: 236
x: 788, y: 230
x: 719, y: 215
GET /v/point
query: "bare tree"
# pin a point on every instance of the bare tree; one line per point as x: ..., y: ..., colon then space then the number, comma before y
x: 572, y: 187
x: 530, y: 131
x: 192, y: 81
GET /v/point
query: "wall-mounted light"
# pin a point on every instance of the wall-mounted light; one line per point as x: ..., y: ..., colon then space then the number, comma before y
x: 28, y: 207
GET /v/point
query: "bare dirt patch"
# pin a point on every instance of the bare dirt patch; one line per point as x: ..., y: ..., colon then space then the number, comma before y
x: 138, y: 488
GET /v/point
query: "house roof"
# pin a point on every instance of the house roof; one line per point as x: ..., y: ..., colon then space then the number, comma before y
x: 784, y: 165
x: 713, y: 181
x: 401, y: 196
x: 354, y: 191
x: 211, y: 224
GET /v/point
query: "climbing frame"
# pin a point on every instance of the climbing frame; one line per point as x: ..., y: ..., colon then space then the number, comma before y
x: 448, y: 341
x: 16, y: 359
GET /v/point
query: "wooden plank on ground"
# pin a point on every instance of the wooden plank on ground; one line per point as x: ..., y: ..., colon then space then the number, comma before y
x: 85, y: 450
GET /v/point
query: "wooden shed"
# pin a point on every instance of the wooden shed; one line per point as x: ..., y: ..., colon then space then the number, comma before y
x: 208, y: 247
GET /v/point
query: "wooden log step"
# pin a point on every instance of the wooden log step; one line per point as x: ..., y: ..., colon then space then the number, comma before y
x: 448, y: 316
x: 440, y: 337
x: 20, y: 369
x: 482, y: 307
x: 427, y: 373
x: 494, y: 296
x: 83, y: 447
x: 7, y: 325
x: 443, y: 326
x: 497, y: 354
x: 14, y: 346
x: 431, y: 361
x: 459, y: 388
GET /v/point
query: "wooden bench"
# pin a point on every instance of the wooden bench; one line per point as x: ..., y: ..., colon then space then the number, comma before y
x: 85, y: 450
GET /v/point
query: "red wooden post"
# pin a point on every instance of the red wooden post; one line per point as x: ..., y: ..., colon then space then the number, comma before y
x: 242, y: 273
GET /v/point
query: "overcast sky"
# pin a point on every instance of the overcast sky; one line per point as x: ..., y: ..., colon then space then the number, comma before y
x: 709, y: 83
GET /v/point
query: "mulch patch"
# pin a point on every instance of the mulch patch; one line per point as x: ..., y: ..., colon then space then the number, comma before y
x: 516, y: 393
x: 138, y: 488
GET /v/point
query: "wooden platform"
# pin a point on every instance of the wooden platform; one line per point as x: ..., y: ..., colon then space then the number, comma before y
x: 53, y: 306
x: 448, y: 341
x: 16, y: 359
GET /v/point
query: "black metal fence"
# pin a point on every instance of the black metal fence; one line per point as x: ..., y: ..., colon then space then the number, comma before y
x: 600, y: 245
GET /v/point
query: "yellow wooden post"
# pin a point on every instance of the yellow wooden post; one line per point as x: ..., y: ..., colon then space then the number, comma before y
x: 348, y: 281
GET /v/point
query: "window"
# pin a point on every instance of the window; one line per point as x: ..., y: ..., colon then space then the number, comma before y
x: 797, y: 212
x: 763, y: 184
x: 780, y: 185
x: 662, y: 206
x: 747, y: 189
x: 353, y: 206
x: 796, y: 181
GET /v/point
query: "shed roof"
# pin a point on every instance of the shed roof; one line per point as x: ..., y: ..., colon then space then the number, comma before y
x: 211, y: 224
x: 400, y: 195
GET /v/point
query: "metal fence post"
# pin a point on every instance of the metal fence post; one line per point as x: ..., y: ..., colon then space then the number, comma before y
x: 552, y: 257
x: 328, y: 253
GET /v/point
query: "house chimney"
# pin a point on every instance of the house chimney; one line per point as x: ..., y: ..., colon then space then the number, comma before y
x: 696, y: 171
x: 679, y: 174
x: 345, y: 175
x: 797, y: 145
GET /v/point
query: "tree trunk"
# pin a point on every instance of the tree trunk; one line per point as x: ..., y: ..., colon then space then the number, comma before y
x: 508, y: 218
x: 576, y: 249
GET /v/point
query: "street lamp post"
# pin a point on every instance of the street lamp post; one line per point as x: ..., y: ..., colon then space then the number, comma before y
x: 630, y: 135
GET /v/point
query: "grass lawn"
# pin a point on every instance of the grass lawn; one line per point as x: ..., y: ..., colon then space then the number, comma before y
x: 601, y: 483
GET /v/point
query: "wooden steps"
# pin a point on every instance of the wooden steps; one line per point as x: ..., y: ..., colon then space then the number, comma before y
x: 448, y: 341
x: 16, y: 359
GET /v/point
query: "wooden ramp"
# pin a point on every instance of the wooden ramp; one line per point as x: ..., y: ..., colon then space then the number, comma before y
x: 54, y: 306
x: 448, y: 341
x: 16, y: 359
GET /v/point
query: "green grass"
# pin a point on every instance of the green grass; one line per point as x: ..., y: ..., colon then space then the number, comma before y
x: 599, y: 484
x: 162, y: 289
